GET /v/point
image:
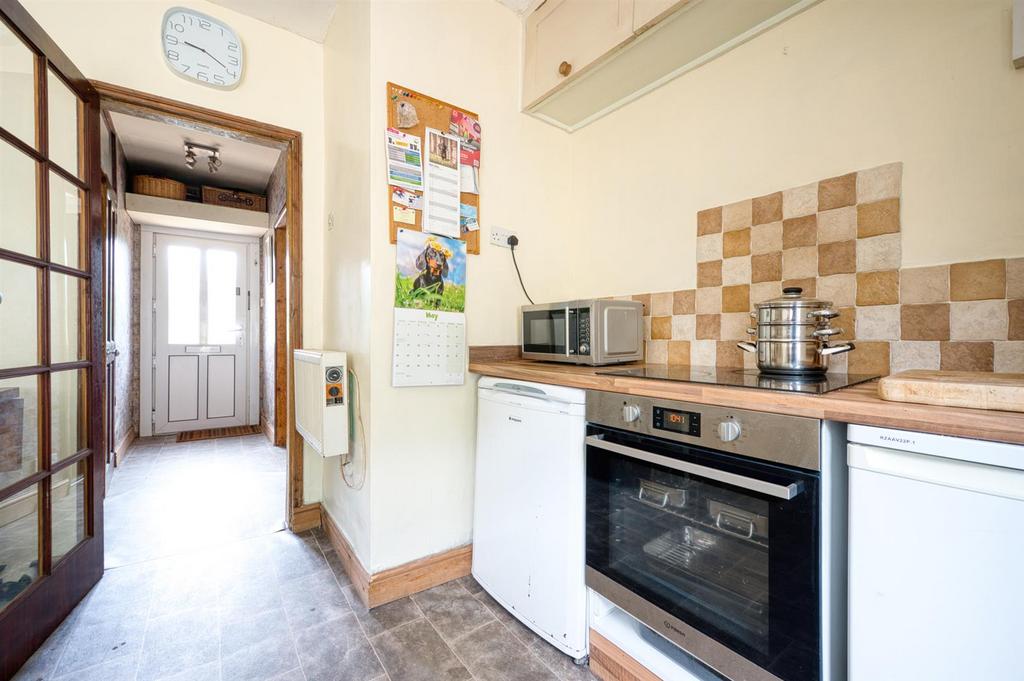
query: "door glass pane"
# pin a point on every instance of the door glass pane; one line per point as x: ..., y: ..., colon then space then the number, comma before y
x: 67, y: 496
x: 69, y: 422
x: 19, y: 315
x: 19, y: 428
x: 17, y: 200
x: 222, y: 296
x: 17, y: 87
x: 19, y: 543
x: 183, y: 295
x: 67, y: 223
x: 67, y: 301
x: 62, y: 124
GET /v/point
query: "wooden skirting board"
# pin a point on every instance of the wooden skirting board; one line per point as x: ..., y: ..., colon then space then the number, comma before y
x: 305, y: 517
x: 404, y: 580
x: 608, y: 662
x: 121, y: 448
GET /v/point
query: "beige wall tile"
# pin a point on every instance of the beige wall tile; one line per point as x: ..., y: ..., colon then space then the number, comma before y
x: 766, y: 267
x: 683, y: 301
x: 766, y: 238
x: 703, y: 353
x: 925, y: 322
x: 736, y: 270
x: 883, y: 182
x: 737, y: 215
x: 735, y: 325
x: 736, y: 243
x: 1016, y: 314
x: 838, y: 257
x: 878, y: 288
x: 837, y: 192
x: 1015, y: 278
x: 708, y: 301
x: 878, y: 322
x: 800, y: 201
x: 880, y: 217
x: 908, y: 355
x: 839, y: 224
x: 879, y: 253
x: 657, y: 352
x: 728, y: 355
x: 679, y: 352
x: 709, y: 247
x: 800, y: 231
x: 966, y: 356
x: 869, y: 357
x: 924, y: 284
x: 839, y: 364
x: 749, y: 360
x: 709, y: 221
x: 809, y: 285
x: 981, y: 280
x: 1009, y: 357
x: 661, y: 328
x: 736, y: 298
x: 644, y: 298
x: 684, y: 326
x: 767, y: 209
x: 841, y: 289
x: 709, y: 273
x: 799, y: 263
x: 647, y: 328
x: 978, y: 320
x: 709, y: 326
x: 761, y: 292
x: 661, y: 304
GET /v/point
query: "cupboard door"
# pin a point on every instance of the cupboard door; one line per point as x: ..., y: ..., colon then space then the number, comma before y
x: 565, y: 36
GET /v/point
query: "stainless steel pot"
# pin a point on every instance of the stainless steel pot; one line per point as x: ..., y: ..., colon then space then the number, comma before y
x: 792, y: 334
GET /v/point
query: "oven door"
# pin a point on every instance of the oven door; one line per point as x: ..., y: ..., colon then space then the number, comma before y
x: 549, y: 332
x: 716, y: 552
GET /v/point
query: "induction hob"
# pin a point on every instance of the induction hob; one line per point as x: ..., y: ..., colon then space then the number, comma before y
x: 743, y: 378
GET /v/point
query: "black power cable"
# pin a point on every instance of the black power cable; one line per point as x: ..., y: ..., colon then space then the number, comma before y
x: 513, y: 241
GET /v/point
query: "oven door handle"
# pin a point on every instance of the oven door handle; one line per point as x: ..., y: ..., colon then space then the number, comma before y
x: 753, y: 484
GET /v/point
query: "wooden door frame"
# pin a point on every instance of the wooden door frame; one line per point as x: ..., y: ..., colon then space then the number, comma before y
x: 300, y: 516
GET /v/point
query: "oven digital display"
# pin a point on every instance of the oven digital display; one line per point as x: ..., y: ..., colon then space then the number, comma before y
x: 676, y: 421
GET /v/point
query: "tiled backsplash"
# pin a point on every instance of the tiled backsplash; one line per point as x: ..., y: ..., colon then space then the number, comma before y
x: 840, y: 240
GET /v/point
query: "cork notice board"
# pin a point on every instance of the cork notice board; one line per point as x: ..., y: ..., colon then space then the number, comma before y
x: 432, y: 113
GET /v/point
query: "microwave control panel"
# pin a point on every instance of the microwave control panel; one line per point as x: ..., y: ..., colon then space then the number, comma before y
x: 583, y: 332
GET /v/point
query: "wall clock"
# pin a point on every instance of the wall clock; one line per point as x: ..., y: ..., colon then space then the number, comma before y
x: 201, y: 48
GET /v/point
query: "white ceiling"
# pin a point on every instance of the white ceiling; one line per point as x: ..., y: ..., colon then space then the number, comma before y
x: 308, y: 18
x: 159, y: 146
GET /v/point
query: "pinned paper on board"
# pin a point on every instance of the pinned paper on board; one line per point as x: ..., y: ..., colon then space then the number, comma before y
x: 406, y: 216
x: 406, y: 198
x: 405, y: 159
x: 467, y: 218
x: 442, y: 185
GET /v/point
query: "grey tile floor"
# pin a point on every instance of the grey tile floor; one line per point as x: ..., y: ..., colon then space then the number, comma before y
x: 274, y: 606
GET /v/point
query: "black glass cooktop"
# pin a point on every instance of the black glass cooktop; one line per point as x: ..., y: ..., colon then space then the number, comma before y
x: 743, y: 378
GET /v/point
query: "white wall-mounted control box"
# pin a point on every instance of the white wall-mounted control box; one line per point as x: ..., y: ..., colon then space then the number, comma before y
x: 321, y: 400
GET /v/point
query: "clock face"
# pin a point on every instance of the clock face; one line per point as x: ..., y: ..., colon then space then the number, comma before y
x: 200, y: 48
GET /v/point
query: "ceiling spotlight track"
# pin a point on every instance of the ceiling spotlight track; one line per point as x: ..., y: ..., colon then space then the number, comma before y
x: 214, y: 163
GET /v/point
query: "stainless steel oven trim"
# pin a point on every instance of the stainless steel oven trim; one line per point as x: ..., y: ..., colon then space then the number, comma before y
x: 753, y: 484
x: 706, y: 649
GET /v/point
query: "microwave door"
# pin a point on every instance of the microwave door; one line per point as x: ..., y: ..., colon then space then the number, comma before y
x: 546, y: 333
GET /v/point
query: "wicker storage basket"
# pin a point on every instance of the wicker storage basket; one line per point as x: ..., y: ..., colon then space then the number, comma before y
x: 159, y: 186
x: 234, y: 199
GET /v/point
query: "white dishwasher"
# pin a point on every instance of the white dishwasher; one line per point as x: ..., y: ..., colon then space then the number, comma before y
x: 528, y: 532
x: 936, y: 557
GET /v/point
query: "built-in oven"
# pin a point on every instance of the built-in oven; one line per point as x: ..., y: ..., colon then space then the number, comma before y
x: 705, y: 524
x: 583, y: 331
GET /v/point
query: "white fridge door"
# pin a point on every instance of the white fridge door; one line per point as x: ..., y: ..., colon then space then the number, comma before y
x: 936, y: 556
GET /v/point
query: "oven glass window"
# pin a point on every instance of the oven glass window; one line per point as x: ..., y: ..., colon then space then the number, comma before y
x: 738, y: 565
x: 544, y: 331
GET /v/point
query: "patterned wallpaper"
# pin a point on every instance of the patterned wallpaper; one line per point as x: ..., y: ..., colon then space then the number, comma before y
x: 840, y: 240
x: 126, y: 310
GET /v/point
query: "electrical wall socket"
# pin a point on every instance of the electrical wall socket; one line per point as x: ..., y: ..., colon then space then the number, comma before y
x: 499, y: 237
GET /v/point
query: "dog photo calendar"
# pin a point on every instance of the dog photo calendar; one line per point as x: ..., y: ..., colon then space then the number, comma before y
x: 430, y: 303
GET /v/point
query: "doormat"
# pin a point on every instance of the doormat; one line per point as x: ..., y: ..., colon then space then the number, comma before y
x: 211, y: 433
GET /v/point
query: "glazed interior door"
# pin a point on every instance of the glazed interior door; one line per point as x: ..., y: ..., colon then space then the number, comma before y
x: 200, y: 333
x: 51, y: 338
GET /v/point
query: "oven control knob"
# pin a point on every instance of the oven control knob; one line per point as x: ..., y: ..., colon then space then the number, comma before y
x: 729, y: 430
x: 630, y: 413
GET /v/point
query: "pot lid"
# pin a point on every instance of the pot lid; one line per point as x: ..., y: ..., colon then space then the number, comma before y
x: 793, y: 296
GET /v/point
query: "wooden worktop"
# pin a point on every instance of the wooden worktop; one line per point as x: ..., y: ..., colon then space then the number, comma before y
x: 858, y: 404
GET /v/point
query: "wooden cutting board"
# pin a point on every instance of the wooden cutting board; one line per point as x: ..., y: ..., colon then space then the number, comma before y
x: 972, y: 389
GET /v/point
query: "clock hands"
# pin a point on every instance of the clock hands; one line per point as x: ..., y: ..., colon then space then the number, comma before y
x: 206, y: 53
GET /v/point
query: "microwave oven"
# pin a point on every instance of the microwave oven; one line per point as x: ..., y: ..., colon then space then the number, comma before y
x: 584, y: 331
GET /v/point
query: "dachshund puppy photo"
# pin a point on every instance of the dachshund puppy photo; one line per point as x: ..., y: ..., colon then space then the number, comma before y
x: 433, y: 266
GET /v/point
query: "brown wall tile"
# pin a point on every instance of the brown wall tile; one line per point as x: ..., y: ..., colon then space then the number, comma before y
x: 839, y: 257
x: 878, y: 288
x: 678, y: 352
x: 809, y: 285
x: 709, y: 326
x: 736, y: 298
x: 709, y: 221
x: 837, y: 192
x: 966, y: 356
x: 880, y: 217
x: 847, y: 321
x: 1016, y: 330
x: 981, y: 280
x: 709, y: 273
x: 767, y: 209
x: 767, y: 267
x: 800, y: 231
x: 1015, y: 278
x: 683, y: 302
x: 661, y: 328
x: 924, y: 322
x: 736, y: 243
x: 728, y: 355
x: 644, y: 298
x: 869, y: 357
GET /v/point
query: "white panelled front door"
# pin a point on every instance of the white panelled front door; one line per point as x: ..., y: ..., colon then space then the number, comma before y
x: 201, y: 303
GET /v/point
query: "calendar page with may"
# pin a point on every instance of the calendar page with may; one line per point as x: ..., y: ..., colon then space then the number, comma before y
x: 430, y: 304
